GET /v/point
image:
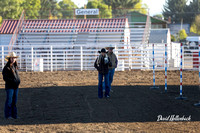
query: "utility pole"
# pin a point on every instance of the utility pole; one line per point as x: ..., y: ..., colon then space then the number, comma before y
x: 181, y: 23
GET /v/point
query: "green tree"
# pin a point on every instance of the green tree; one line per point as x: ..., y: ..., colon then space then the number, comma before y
x: 121, y: 7
x: 193, y: 9
x: 105, y: 10
x: 182, y: 34
x: 11, y: 9
x: 48, y: 8
x: 67, y: 8
x: 173, y: 39
x: 175, y: 9
x: 195, y: 28
x: 142, y: 8
x: 0, y: 20
x: 31, y: 8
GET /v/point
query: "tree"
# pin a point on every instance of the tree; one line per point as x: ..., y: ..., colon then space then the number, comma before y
x: 32, y: 8
x: 175, y: 9
x: 195, y: 28
x: 67, y: 8
x: 11, y: 9
x: 182, y: 34
x: 0, y: 20
x: 192, y: 10
x: 48, y: 8
x: 121, y: 7
x: 105, y: 10
x: 141, y: 8
x: 173, y: 38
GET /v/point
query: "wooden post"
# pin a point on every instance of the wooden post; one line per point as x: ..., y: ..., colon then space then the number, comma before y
x: 99, y: 14
x: 74, y: 16
x: 84, y: 8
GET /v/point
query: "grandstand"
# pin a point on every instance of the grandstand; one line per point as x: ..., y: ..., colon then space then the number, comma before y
x: 58, y: 42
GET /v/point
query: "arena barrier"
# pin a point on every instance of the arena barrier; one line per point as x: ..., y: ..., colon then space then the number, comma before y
x: 82, y: 57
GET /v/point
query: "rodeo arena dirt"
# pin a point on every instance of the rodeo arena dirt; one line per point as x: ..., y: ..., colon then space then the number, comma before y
x: 155, y: 86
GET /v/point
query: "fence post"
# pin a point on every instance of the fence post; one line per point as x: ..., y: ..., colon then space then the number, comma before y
x: 64, y: 59
x: 26, y: 62
x: 130, y: 59
x: 48, y: 60
x: 199, y: 65
x: 2, y: 48
x: 20, y: 56
x: 165, y: 67
x: 51, y: 58
x: 183, y: 62
x: 56, y: 63
x: 198, y: 104
x: 181, y: 80
x: 122, y: 65
x: 81, y: 58
x: 154, y: 79
x: 141, y: 50
x: 32, y: 58
x: 116, y: 51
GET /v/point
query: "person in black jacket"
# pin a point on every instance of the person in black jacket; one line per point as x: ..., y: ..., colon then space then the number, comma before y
x: 12, y: 81
x: 101, y: 64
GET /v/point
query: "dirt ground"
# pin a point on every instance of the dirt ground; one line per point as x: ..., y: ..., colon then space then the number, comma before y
x: 66, y: 101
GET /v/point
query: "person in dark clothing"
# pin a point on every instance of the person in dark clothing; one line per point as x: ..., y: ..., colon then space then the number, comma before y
x: 114, y: 61
x: 101, y: 64
x: 12, y: 81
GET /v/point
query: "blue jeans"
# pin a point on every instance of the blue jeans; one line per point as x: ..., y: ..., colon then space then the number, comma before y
x: 110, y: 78
x: 10, y: 109
x: 100, y: 85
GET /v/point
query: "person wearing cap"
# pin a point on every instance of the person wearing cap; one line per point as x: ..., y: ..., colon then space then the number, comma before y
x: 101, y: 64
x: 12, y: 81
x: 111, y: 69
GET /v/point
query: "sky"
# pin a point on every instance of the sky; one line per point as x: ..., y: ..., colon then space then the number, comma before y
x: 155, y: 6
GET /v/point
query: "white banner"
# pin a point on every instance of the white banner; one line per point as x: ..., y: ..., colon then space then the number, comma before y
x: 87, y: 11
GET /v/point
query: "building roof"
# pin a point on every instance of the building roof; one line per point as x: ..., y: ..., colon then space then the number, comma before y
x: 139, y: 17
x: 158, y: 35
x: 67, y: 25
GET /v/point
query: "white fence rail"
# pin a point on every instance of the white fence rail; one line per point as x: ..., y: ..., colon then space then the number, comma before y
x: 82, y: 57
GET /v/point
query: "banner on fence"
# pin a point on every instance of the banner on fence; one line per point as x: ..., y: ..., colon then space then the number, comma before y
x: 38, y: 65
x: 87, y: 11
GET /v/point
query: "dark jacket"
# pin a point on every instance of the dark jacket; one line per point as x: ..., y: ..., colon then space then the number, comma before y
x: 113, y: 60
x: 11, y: 77
x: 101, y: 65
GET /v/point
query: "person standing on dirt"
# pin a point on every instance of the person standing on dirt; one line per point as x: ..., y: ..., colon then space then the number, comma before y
x: 111, y: 69
x: 12, y: 81
x: 101, y: 64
